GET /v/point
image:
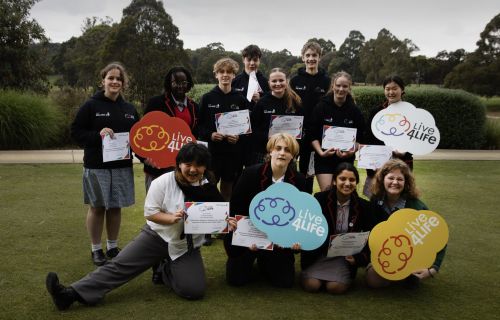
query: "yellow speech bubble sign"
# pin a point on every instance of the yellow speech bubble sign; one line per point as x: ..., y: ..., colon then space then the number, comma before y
x: 406, y: 242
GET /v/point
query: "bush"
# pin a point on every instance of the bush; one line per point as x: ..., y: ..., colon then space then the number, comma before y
x: 68, y: 101
x: 198, y: 90
x: 28, y: 121
x: 460, y: 116
x: 492, y: 104
x: 492, y: 134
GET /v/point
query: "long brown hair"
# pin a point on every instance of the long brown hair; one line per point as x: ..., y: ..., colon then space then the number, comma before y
x: 410, y: 189
x: 292, y: 99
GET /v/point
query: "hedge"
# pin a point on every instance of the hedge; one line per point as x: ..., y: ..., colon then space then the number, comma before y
x: 460, y: 116
x: 28, y: 121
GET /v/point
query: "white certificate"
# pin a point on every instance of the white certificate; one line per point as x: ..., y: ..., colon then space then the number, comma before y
x: 117, y: 148
x: 233, y: 123
x: 253, y: 85
x: 287, y: 124
x: 246, y: 235
x: 206, y: 217
x: 347, y: 244
x: 339, y: 138
x: 373, y: 157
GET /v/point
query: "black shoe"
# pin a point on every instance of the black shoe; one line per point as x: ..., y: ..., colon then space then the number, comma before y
x: 62, y: 296
x: 98, y: 257
x: 113, y: 252
x: 208, y: 240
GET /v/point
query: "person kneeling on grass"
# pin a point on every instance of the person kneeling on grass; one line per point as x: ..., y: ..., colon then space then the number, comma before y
x: 161, y: 242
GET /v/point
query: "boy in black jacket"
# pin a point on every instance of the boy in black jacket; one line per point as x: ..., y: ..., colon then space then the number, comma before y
x: 226, y: 150
x: 311, y: 83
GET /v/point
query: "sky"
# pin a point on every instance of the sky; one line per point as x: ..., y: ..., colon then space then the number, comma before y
x: 433, y: 25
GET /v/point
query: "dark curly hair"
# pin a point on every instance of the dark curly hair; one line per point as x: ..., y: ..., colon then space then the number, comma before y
x: 167, y: 83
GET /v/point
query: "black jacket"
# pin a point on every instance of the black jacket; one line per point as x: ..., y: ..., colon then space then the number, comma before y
x: 213, y: 102
x: 240, y: 84
x: 95, y: 114
x: 328, y: 113
x: 166, y: 104
x: 265, y: 108
x: 310, y: 88
x: 362, y: 218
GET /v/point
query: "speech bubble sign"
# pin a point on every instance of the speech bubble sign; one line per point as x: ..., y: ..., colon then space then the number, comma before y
x: 406, y: 242
x: 160, y: 137
x: 406, y: 128
x: 289, y: 216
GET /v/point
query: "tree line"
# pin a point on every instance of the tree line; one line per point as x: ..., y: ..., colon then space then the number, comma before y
x: 147, y: 42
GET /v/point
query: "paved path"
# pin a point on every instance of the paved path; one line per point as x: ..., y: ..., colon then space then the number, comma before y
x: 76, y: 156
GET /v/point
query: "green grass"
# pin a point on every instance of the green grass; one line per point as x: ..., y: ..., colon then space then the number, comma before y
x: 42, y: 225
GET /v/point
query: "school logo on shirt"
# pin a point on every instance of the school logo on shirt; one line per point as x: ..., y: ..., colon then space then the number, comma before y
x: 300, y: 88
x: 319, y: 90
x: 348, y: 121
x: 129, y: 116
x: 239, y: 89
x: 102, y: 114
x: 329, y: 120
x: 269, y: 111
x: 234, y: 107
x: 216, y: 106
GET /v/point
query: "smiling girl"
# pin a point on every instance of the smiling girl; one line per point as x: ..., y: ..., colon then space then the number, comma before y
x: 282, y: 100
x: 345, y: 212
x: 336, y: 109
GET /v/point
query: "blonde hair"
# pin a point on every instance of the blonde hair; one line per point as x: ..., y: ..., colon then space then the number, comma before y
x: 292, y: 99
x: 290, y: 142
x: 313, y: 45
x: 123, y: 73
x: 410, y: 189
x: 226, y: 63
x: 338, y: 75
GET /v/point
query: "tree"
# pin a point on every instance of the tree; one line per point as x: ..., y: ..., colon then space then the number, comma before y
x: 480, y: 71
x: 20, y: 66
x: 326, y: 45
x: 386, y: 55
x: 146, y: 41
x: 347, y: 57
x: 203, y: 59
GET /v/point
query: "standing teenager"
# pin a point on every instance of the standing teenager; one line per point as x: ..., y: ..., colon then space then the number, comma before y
x: 311, y: 83
x: 175, y: 103
x: 337, y: 109
x: 282, y: 100
x: 226, y: 150
x: 107, y: 186
x: 394, y: 90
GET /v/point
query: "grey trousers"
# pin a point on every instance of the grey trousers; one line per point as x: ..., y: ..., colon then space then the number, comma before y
x: 185, y: 275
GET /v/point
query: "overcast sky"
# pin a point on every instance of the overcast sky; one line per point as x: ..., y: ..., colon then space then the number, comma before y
x: 433, y: 25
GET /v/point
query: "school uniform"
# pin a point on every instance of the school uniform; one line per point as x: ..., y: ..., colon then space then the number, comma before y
x: 328, y: 113
x: 265, y: 108
x: 227, y: 158
x: 277, y: 266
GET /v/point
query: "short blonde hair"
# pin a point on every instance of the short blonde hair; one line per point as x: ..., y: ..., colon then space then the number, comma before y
x: 290, y: 142
x: 226, y: 63
x: 313, y: 45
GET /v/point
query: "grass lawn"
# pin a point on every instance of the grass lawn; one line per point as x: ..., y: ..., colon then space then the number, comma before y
x: 42, y: 229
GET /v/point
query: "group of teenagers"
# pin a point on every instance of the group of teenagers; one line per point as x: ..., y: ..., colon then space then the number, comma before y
x: 243, y: 166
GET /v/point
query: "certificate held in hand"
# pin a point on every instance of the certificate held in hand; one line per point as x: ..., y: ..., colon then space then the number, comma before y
x: 233, y: 123
x: 340, y: 138
x: 206, y: 217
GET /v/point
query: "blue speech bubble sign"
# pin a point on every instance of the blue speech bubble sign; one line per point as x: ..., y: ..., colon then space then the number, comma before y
x: 289, y: 216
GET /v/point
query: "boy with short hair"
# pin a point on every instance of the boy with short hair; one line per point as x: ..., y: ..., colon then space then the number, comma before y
x: 251, y: 60
x: 310, y: 83
x: 226, y: 150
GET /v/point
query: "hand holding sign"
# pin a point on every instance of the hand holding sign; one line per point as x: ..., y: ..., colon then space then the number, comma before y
x: 406, y: 128
x: 160, y: 137
x: 408, y: 241
x: 289, y: 216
